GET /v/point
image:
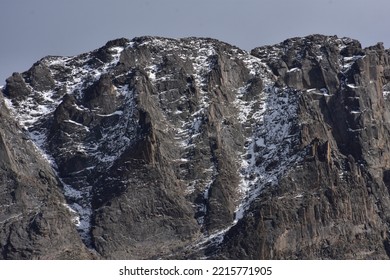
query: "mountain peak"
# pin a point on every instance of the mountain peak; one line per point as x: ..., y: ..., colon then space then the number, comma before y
x: 192, y: 148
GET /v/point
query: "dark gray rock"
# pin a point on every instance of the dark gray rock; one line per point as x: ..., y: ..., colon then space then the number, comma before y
x: 34, y: 222
x: 16, y: 87
x: 39, y: 77
x: 305, y: 63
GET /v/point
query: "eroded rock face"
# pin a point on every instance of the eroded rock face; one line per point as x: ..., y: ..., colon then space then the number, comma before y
x: 193, y: 148
x: 35, y: 222
x: 332, y: 205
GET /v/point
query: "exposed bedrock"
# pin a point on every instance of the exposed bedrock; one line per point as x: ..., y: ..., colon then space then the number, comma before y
x: 192, y: 148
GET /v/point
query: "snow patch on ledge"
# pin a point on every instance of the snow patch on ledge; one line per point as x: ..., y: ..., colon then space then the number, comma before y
x: 352, y: 86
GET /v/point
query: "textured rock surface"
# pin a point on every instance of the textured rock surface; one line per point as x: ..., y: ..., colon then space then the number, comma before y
x: 193, y: 148
x: 34, y: 220
x: 335, y: 203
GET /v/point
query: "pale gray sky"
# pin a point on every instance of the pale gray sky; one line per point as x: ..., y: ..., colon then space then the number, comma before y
x: 32, y: 29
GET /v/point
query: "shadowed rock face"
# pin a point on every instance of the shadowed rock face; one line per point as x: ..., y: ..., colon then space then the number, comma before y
x: 193, y: 148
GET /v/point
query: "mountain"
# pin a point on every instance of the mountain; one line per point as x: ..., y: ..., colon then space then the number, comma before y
x: 192, y: 148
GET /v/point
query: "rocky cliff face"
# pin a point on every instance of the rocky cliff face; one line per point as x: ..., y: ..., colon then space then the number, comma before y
x: 35, y: 222
x: 193, y: 148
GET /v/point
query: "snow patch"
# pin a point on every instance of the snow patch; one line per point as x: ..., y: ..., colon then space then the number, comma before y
x: 152, y: 71
x: 296, y: 69
x: 270, y: 150
x: 116, y: 113
x: 79, y: 203
x: 352, y: 86
x: 77, y: 124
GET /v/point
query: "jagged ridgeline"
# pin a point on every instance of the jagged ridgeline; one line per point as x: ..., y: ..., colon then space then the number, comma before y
x: 192, y: 148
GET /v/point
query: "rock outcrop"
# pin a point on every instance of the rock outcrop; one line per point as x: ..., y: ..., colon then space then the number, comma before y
x: 193, y: 148
x: 35, y: 222
x: 334, y: 203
